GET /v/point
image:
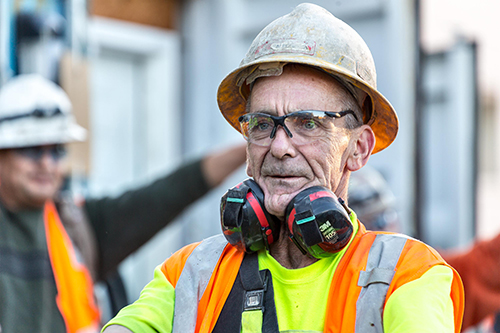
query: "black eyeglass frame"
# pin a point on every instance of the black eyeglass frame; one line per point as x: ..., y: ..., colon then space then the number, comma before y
x: 280, y: 120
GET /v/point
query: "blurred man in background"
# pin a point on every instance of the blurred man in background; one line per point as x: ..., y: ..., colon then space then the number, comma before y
x: 51, y: 250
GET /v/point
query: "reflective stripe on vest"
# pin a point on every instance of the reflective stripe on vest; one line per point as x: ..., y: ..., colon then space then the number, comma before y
x: 375, y: 280
x: 193, y: 280
x: 75, y: 293
x: 193, y: 268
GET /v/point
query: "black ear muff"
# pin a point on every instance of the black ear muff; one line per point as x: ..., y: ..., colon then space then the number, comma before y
x: 245, y: 222
x: 317, y: 222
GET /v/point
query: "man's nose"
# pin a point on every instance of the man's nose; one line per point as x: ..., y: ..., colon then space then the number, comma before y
x: 47, y: 159
x: 281, y: 144
x: 281, y: 124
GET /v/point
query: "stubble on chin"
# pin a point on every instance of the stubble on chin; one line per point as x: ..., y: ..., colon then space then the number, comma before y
x: 277, y: 205
x: 278, y: 195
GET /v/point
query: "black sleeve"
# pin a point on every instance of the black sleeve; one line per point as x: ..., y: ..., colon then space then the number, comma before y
x: 125, y: 223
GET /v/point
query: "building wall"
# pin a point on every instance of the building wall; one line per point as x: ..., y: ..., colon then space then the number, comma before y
x: 442, y: 22
x: 157, y: 13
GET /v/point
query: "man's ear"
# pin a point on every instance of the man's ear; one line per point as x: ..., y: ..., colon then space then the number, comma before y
x: 363, y: 147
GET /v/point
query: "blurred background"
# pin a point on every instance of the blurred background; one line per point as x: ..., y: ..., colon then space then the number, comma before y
x: 143, y: 75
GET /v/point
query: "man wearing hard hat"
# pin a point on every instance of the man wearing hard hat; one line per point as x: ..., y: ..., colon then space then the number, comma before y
x: 51, y: 251
x: 293, y: 257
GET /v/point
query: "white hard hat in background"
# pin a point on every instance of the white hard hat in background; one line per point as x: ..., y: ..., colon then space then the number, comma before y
x: 35, y: 111
x: 371, y: 197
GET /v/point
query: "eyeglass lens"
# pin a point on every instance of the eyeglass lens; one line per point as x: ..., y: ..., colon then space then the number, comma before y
x: 56, y: 152
x: 302, y: 127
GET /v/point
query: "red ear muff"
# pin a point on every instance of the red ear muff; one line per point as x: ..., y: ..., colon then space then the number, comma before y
x: 317, y: 222
x: 244, y: 221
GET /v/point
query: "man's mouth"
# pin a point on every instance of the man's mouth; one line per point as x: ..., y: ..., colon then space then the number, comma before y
x: 43, y: 179
x: 285, y: 179
x: 283, y: 176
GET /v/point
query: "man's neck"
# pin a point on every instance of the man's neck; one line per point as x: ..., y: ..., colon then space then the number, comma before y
x: 287, y: 253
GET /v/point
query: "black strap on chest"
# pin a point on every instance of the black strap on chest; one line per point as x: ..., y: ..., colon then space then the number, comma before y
x: 252, y: 290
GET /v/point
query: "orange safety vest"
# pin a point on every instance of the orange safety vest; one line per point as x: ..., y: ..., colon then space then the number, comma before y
x: 415, y: 258
x: 75, y: 297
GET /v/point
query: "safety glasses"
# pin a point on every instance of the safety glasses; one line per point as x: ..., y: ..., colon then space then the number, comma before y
x: 303, y: 127
x: 56, y: 152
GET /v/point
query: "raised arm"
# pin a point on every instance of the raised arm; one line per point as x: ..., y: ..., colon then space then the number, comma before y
x: 125, y: 223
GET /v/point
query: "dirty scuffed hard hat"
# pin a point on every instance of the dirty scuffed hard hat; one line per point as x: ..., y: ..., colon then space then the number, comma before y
x: 35, y: 111
x: 310, y: 35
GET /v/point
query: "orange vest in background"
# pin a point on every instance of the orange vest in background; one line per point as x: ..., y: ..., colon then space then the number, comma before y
x: 75, y: 292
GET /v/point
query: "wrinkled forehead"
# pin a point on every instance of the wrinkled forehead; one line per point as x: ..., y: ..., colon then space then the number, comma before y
x: 278, y: 68
x: 290, y: 78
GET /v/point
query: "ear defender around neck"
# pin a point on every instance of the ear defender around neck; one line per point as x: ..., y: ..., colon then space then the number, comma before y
x: 318, y: 222
x: 245, y: 222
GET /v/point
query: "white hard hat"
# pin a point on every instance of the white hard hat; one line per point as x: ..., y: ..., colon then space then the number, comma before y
x: 312, y: 36
x: 35, y: 111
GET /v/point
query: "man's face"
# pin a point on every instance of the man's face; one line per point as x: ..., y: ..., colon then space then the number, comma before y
x: 27, y: 182
x: 283, y: 169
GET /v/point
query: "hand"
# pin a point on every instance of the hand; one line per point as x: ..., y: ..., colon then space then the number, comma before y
x: 220, y: 164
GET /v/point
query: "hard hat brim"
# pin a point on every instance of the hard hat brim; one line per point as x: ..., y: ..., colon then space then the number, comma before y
x: 28, y: 132
x: 383, y: 121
